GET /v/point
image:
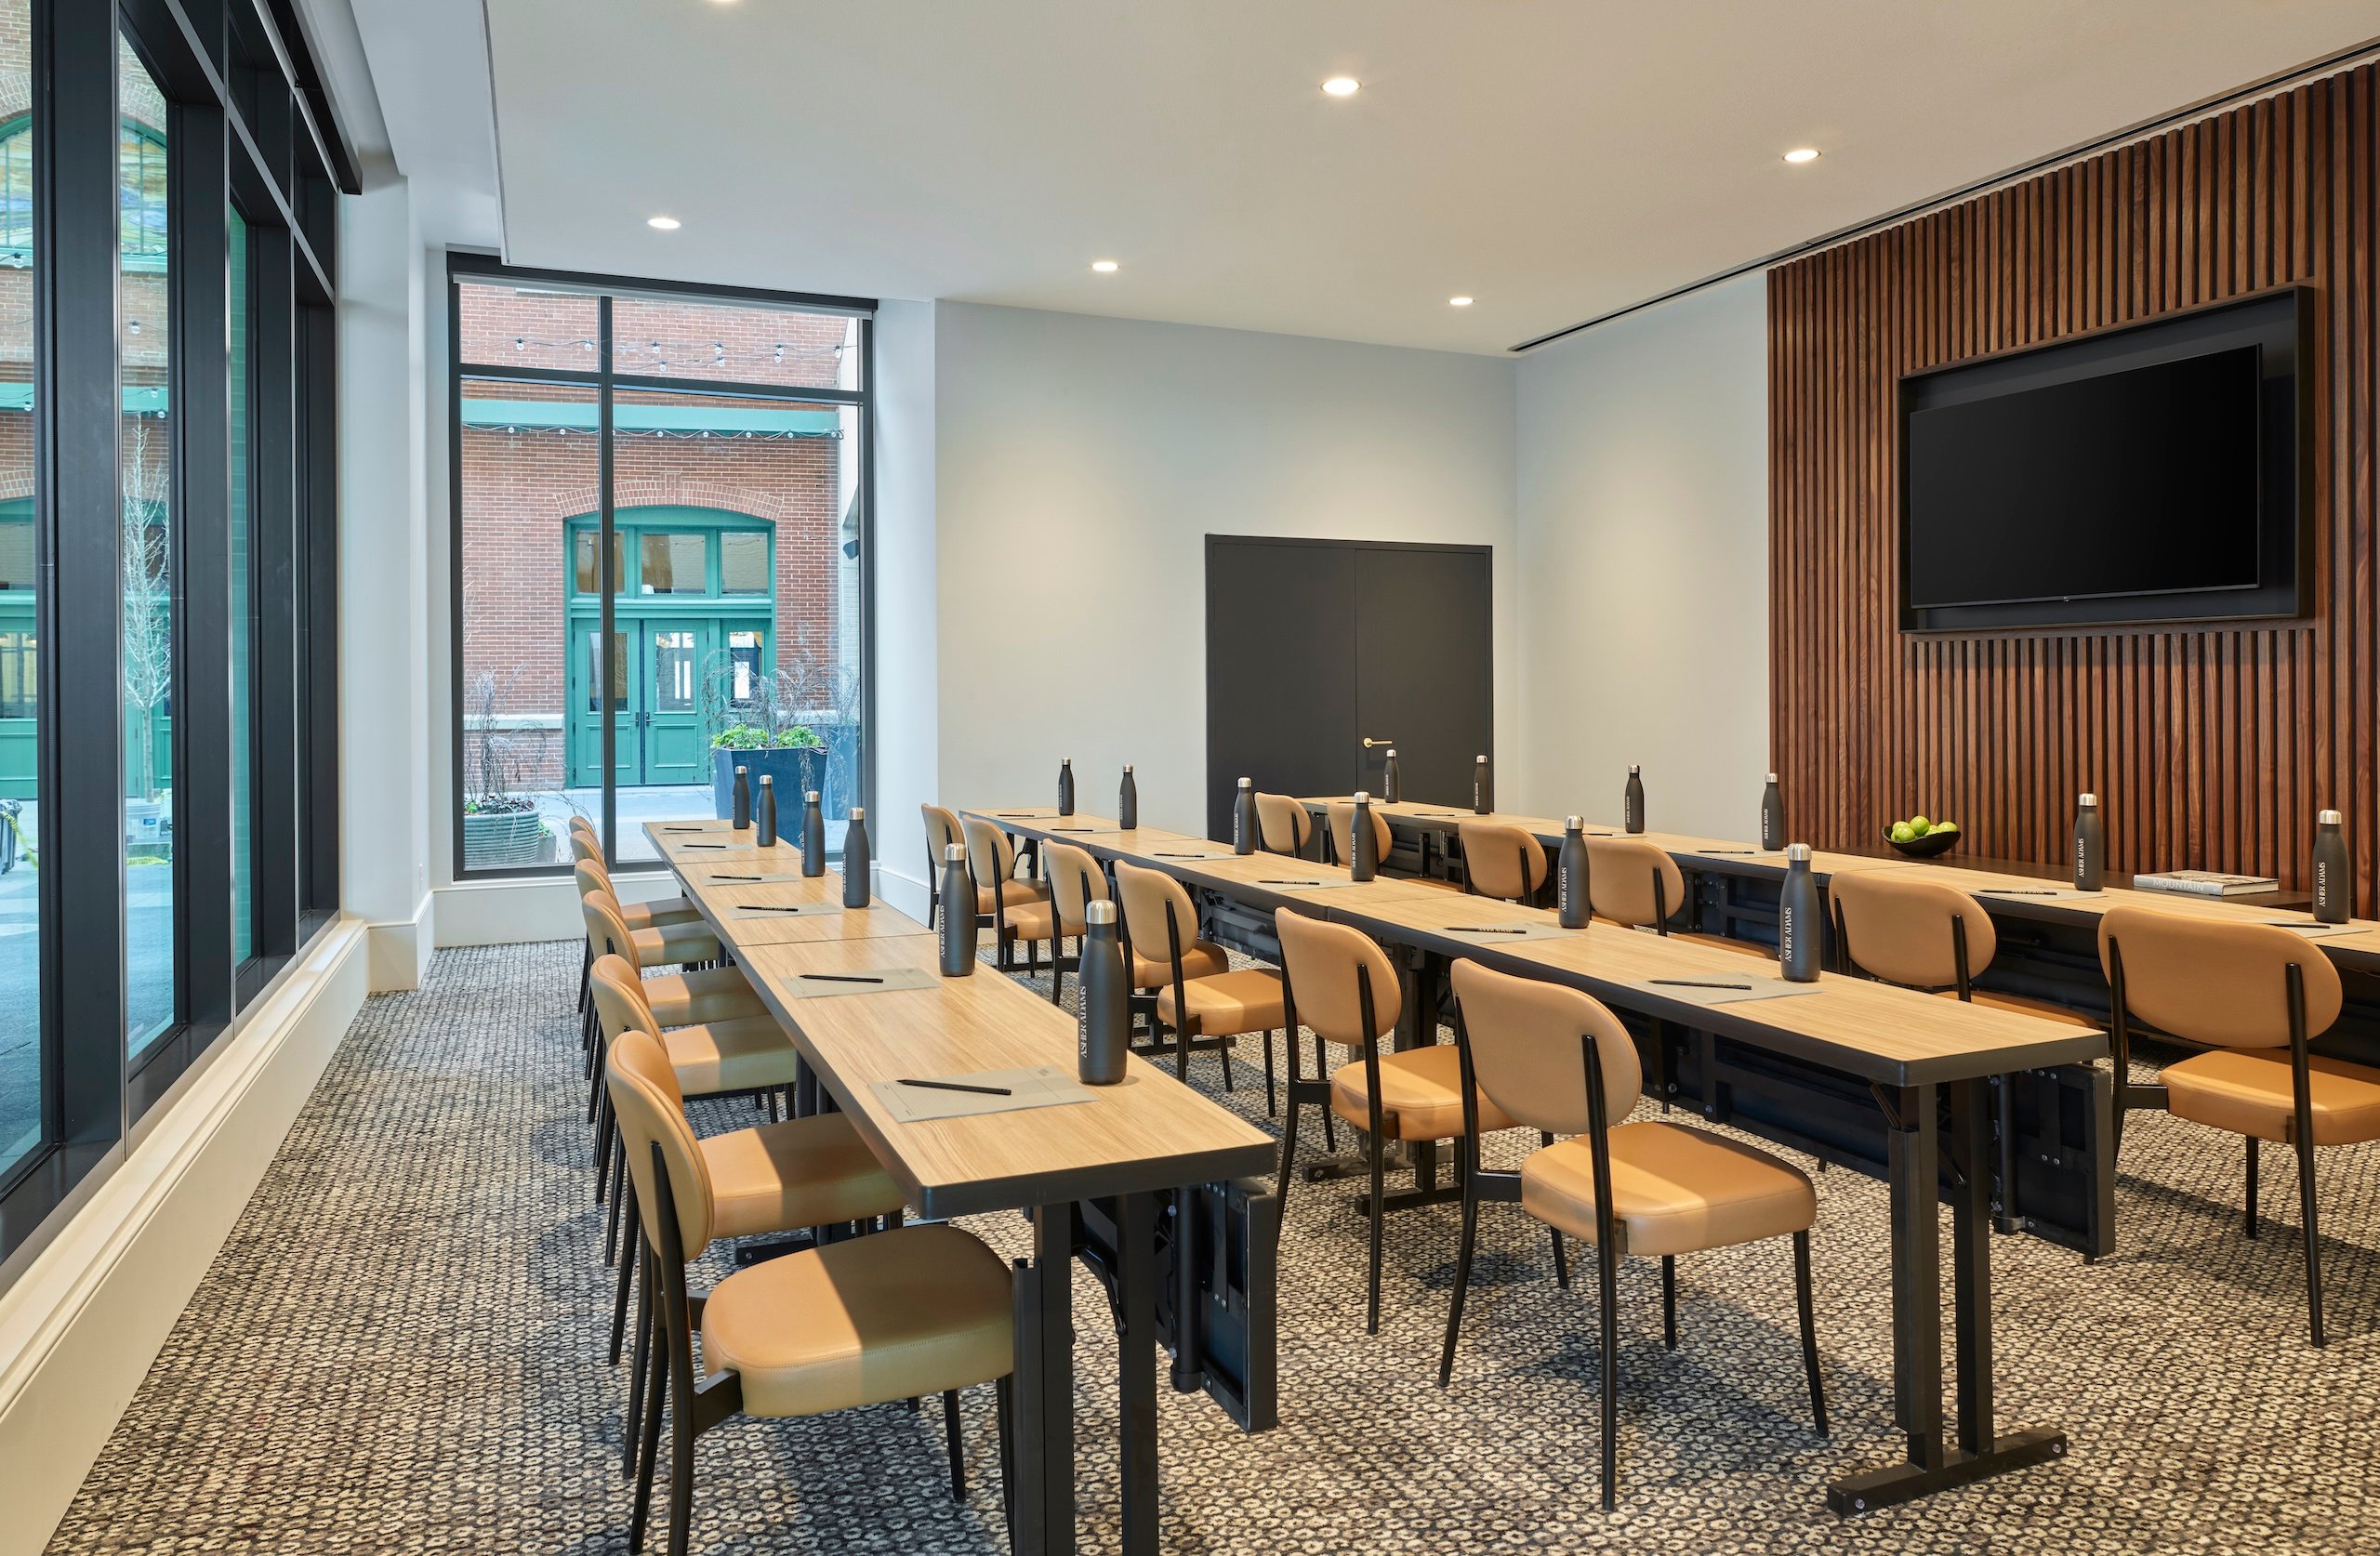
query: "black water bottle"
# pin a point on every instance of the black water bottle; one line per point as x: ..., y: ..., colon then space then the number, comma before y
x: 1067, y: 786
x: 1571, y: 876
x: 1483, y: 787
x: 1632, y: 802
x: 2089, y: 843
x: 814, y: 836
x: 1128, y: 802
x: 743, y: 800
x: 2332, y: 886
x: 1363, y: 843
x: 1392, y: 786
x: 1243, y: 818
x: 958, y: 913
x: 767, y: 836
x: 1772, y: 816
x: 1798, y: 918
x: 1104, y: 1028
x: 856, y: 861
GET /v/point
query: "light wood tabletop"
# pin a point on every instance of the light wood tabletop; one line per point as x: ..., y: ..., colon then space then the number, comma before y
x: 1446, y: 820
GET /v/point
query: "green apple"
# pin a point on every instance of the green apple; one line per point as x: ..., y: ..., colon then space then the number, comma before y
x: 1946, y: 826
x: 1920, y: 826
x: 1903, y: 832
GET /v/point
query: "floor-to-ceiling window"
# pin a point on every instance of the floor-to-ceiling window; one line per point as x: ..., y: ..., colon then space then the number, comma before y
x: 661, y: 522
x: 169, y: 768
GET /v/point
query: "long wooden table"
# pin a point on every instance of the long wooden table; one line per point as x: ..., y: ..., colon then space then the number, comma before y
x: 1118, y: 1158
x: 1909, y: 1065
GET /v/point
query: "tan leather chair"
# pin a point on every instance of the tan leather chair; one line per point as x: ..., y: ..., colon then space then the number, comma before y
x: 1635, y: 884
x: 1343, y: 986
x: 1923, y: 934
x: 2254, y: 996
x: 991, y: 863
x: 942, y: 832
x: 679, y: 998
x: 1558, y: 1061
x: 666, y: 913
x: 1341, y: 830
x: 922, y: 1310
x: 784, y: 1175
x: 1502, y: 860
x: 1076, y: 881
x: 681, y: 936
x: 1282, y: 824
x: 1204, y: 1010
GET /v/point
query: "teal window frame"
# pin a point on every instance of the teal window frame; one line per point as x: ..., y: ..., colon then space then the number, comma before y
x: 631, y: 525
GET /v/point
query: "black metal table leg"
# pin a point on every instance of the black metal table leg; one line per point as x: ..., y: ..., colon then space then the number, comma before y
x: 1136, y: 1369
x: 1042, y: 1504
x: 1915, y: 1171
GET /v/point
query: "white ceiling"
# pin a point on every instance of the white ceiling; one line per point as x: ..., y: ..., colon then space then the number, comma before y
x: 1555, y: 159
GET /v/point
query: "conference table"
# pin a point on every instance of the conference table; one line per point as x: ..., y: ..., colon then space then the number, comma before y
x: 1810, y: 1070
x: 1098, y: 1175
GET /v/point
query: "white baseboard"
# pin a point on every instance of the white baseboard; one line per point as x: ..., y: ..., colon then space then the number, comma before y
x: 904, y: 890
x: 400, y: 949
x: 532, y: 908
x: 81, y: 1323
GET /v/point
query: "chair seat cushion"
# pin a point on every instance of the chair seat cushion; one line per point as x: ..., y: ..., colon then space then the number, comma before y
x: 666, y: 944
x: 891, y: 1316
x: 1204, y: 959
x: 1673, y: 1189
x: 1226, y: 1002
x: 1031, y: 921
x: 665, y: 910
x: 801, y: 1172
x: 2251, y: 1092
x: 718, y: 994
x: 1422, y: 1087
x: 741, y: 1054
x: 1013, y: 892
x: 2021, y: 1005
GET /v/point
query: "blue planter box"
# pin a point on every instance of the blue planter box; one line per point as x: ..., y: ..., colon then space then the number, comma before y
x: 793, y: 770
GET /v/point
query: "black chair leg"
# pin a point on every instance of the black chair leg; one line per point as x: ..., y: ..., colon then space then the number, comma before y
x: 1272, y: 1109
x: 654, y: 1374
x: 957, y: 1454
x: 643, y: 1383
x: 1462, y: 1263
x: 1561, y: 1261
x: 681, y: 1473
x: 2252, y: 1186
x: 619, y: 1197
x: 1669, y: 1300
x: 1288, y: 1151
x: 627, y: 1269
x: 1809, y: 1328
x: 1607, y: 1268
x: 2313, y: 1236
x: 1379, y: 1154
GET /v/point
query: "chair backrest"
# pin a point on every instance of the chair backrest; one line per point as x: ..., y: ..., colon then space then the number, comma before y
x: 1321, y: 962
x: 651, y: 1111
x: 580, y: 824
x: 618, y: 993
x: 1901, y: 930
x: 991, y: 858
x: 1076, y: 880
x: 607, y: 931
x: 584, y: 850
x: 1620, y: 872
x: 1526, y: 1053
x: 1142, y: 895
x: 2217, y: 982
x: 1502, y: 860
x: 1342, y: 816
x: 1285, y: 825
x: 591, y: 876
x: 942, y: 830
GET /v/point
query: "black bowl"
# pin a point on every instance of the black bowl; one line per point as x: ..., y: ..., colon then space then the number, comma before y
x: 1933, y: 843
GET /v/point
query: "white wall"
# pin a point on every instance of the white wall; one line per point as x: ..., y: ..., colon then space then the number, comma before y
x: 1643, y: 531
x: 1080, y: 462
x: 907, y: 680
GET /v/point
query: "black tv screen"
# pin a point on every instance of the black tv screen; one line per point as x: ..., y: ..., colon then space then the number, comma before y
x: 2137, y: 481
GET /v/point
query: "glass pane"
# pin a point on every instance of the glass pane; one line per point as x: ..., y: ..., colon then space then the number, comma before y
x: 527, y: 326
x: 671, y: 563
x: 147, y: 551
x: 532, y: 750
x: 22, y: 1083
x: 243, y: 607
x: 779, y: 676
x: 744, y: 562
x: 664, y: 337
x: 673, y: 672
x: 587, y: 542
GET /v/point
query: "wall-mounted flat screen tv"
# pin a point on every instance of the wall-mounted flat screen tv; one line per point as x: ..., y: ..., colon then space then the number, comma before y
x: 2145, y: 474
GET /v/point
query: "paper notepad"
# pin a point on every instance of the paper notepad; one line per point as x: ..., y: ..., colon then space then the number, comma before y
x: 2038, y: 893
x: 722, y: 847
x: 785, y: 910
x: 1304, y: 883
x: 2313, y: 930
x: 859, y: 980
x: 696, y: 826
x: 1505, y: 934
x: 1041, y: 1087
x: 1758, y: 988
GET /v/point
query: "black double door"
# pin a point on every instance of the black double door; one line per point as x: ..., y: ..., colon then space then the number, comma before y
x: 1315, y: 646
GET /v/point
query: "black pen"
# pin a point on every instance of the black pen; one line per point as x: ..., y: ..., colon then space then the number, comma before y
x: 1481, y: 929
x: 735, y: 878
x: 840, y: 978
x: 1288, y: 883
x: 954, y: 1086
x: 2020, y: 891
x: 1186, y: 856
x: 776, y: 907
x: 1694, y: 984
x: 709, y: 845
x: 1730, y: 850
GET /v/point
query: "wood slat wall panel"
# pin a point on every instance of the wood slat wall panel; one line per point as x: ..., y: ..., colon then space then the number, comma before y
x: 2209, y: 748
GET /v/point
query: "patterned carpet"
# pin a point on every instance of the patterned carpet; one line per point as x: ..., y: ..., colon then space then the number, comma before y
x: 399, y: 1350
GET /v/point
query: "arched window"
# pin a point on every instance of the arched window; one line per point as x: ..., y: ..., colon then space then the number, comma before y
x: 140, y: 194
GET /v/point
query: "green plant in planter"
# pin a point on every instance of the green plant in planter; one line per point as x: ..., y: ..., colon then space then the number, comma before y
x: 750, y: 737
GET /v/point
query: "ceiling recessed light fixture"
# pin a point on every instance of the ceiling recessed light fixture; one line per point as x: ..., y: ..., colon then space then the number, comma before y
x: 1458, y: 302
x: 662, y: 224
x: 1801, y: 155
x: 1105, y: 267
x: 1342, y: 86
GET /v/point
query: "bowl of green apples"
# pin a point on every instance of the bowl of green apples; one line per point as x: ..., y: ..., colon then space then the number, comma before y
x: 1920, y: 838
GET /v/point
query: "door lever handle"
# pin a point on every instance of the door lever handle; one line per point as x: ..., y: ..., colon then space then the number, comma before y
x: 1385, y: 740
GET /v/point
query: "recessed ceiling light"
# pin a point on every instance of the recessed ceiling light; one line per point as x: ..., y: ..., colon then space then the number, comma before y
x: 662, y: 224
x: 1801, y: 155
x: 1458, y: 302
x: 1343, y: 85
x: 1105, y: 267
